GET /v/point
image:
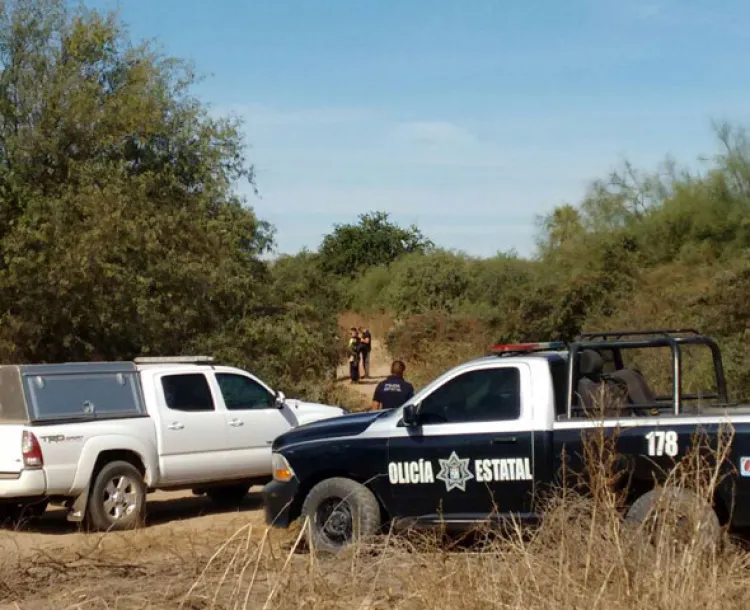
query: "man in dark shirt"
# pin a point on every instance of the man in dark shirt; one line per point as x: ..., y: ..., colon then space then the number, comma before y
x: 364, y: 349
x: 393, y: 391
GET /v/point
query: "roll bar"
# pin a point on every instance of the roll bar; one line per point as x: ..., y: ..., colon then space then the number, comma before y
x: 649, y: 338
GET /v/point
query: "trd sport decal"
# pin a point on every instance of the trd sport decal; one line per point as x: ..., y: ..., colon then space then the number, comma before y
x: 455, y: 472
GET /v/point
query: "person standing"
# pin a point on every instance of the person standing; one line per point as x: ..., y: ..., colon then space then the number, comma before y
x: 353, y: 347
x: 365, y: 348
x: 394, y: 390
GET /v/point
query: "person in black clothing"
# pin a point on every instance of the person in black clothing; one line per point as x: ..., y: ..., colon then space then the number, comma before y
x: 353, y: 349
x: 393, y: 391
x: 365, y: 348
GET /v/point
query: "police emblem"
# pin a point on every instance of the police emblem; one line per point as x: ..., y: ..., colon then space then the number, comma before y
x: 454, y: 472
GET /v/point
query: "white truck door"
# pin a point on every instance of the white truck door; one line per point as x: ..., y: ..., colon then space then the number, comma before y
x: 253, y: 421
x: 191, y: 429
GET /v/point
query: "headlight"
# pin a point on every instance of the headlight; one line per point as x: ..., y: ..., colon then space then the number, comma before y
x: 281, y: 469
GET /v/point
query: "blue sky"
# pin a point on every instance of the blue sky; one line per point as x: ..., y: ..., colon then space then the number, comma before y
x: 468, y: 117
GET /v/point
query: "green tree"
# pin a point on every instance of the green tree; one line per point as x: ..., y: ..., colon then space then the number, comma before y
x: 120, y: 229
x: 352, y: 248
x: 437, y: 281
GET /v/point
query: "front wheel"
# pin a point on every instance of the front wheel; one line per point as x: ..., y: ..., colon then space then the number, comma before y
x: 118, y: 498
x: 340, y: 512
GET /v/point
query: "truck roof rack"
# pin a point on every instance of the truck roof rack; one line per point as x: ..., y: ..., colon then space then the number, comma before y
x: 174, y: 359
x: 620, y: 334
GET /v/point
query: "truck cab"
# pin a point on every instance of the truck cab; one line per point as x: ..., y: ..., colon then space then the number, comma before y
x: 487, y: 438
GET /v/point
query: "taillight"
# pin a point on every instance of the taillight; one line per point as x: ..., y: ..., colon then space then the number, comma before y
x: 32, y: 452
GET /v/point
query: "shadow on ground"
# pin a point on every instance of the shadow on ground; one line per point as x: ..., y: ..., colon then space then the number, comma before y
x: 54, y: 521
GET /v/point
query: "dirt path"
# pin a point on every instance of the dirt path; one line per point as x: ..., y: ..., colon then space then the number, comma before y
x: 379, y: 369
x: 49, y: 564
x: 171, y: 516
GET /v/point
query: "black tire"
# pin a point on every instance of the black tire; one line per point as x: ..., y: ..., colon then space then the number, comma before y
x: 117, y: 500
x: 340, y: 512
x: 230, y: 496
x: 683, y: 517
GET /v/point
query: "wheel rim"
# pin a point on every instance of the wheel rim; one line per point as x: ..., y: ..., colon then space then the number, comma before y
x: 335, y: 522
x: 120, y: 497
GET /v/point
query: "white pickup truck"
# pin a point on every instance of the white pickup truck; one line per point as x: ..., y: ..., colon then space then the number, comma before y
x: 97, y: 437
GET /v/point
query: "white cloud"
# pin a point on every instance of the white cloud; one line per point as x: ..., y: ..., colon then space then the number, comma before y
x: 475, y: 185
x: 266, y: 116
x: 648, y: 11
x: 433, y: 134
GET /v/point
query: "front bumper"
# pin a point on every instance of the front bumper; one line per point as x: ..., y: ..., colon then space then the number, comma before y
x: 278, y: 498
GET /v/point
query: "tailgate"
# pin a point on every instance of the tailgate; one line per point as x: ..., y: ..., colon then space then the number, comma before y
x: 11, y: 454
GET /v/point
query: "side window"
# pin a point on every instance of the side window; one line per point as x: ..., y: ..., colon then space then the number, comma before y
x: 484, y: 395
x: 241, y: 392
x: 559, y: 371
x: 187, y: 392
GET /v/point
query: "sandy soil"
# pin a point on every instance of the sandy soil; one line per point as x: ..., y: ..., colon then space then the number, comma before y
x: 170, y: 514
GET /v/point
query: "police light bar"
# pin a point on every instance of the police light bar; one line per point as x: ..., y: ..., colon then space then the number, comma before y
x: 505, y: 348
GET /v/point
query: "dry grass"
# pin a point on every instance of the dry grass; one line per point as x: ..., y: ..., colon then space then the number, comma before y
x: 583, y: 555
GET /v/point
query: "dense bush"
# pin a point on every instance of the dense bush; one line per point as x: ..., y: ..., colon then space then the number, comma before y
x: 121, y: 232
x: 641, y: 250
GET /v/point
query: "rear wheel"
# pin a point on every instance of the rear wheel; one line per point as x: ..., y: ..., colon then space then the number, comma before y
x: 118, y: 498
x: 676, y: 515
x: 340, y: 512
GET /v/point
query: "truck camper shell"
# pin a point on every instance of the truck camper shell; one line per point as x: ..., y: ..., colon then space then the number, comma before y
x: 55, y: 393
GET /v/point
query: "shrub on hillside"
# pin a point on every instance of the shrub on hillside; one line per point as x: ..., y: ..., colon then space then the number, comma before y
x: 437, y: 281
x: 415, y: 338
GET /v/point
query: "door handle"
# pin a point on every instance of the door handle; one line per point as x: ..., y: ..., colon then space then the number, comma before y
x: 175, y: 425
x: 504, y: 440
x: 235, y: 423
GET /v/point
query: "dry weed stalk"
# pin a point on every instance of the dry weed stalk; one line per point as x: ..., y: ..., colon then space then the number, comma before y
x: 582, y: 555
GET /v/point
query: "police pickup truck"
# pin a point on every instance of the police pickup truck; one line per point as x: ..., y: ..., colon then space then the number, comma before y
x: 486, y: 437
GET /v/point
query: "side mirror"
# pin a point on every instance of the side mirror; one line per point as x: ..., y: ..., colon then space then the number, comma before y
x: 410, y: 415
x: 280, y: 398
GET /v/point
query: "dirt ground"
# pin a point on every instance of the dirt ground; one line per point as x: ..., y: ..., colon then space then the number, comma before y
x: 50, y: 563
x: 170, y: 514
